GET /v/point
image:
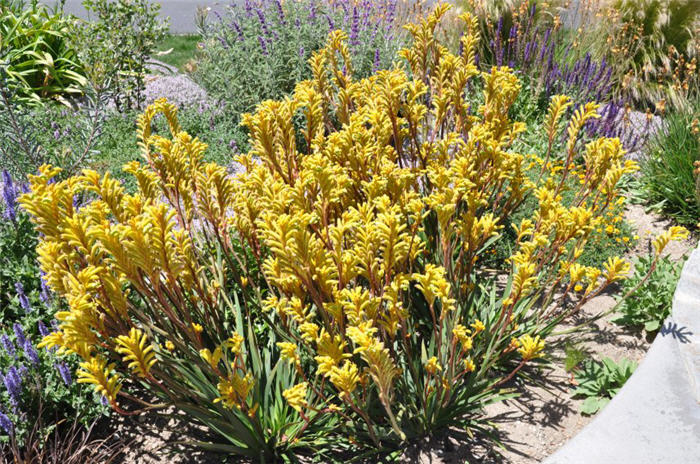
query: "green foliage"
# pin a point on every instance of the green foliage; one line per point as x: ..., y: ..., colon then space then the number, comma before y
x: 35, y: 135
x: 37, y: 54
x: 182, y: 50
x: 598, y: 382
x: 668, y: 181
x: 258, y: 53
x: 651, y: 303
x: 574, y: 356
x: 116, y: 44
x: 115, y: 146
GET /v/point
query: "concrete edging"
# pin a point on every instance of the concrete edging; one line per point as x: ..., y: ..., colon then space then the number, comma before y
x: 655, y: 418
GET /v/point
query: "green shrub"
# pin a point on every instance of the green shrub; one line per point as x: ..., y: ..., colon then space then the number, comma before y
x: 598, y: 382
x: 115, y: 45
x: 668, y: 181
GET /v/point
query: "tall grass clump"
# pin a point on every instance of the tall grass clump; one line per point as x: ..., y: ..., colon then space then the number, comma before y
x: 670, y: 180
x: 331, y: 296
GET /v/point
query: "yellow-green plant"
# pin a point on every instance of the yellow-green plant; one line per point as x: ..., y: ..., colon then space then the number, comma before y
x: 350, y: 244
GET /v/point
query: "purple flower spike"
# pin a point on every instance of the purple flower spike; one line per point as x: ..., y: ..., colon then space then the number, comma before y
x: 13, y: 385
x: 23, y: 300
x: 263, y: 45
x: 375, y: 65
x: 65, y: 373
x: 31, y: 353
x: 6, y: 424
x: 7, y: 344
x: 19, y: 333
x: 9, y: 195
x: 42, y: 328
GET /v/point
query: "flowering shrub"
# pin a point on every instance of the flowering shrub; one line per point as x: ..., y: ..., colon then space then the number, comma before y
x: 35, y: 385
x: 260, y: 49
x: 350, y: 246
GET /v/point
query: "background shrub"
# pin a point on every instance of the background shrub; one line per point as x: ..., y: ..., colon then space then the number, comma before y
x: 37, y: 54
x: 260, y: 48
x: 115, y: 45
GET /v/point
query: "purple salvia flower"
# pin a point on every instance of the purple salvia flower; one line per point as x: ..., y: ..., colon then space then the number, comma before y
x: 312, y: 11
x: 331, y: 23
x: 104, y: 401
x: 8, y: 345
x: 64, y: 371
x: 23, y: 300
x: 45, y: 293
x: 9, y: 195
x: 6, y: 424
x: 13, y: 385
x: 31, y: 353
x: 19, y: 333
x: 375, y: 65
x: 43, y: 330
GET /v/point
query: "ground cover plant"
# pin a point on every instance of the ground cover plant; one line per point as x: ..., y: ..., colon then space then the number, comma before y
x: 349, y: 245
x: 599, y: 381
x: 655, y: 283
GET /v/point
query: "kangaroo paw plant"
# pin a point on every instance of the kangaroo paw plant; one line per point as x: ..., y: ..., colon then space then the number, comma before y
x: 332, y: 294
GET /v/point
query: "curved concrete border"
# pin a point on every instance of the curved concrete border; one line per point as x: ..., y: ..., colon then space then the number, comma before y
x: 655, y: 418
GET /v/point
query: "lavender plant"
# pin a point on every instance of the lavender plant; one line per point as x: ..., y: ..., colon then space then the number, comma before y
x: 543, y: 53
x: 260, y: 48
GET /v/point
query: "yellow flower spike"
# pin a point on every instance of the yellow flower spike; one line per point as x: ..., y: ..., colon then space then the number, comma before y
x: 288, y: 351
x: 469, y: 365
x: 296, y: 396
x: 530, y: 347
x: 674, y: 233
x: 234, y: 390
x: 478, y: 326
x: 234, y: 343
x: 346, y: 378
x: 616, y: 269
x: 198, y: 329
x: 212, y: 358
x: 96, y: 371
x: 432, y: 366
x: 136, y: 351
x: 170, y: 346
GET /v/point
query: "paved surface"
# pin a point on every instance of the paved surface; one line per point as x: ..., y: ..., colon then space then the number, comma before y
x: 655, y: 418
x: 181, y: 12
